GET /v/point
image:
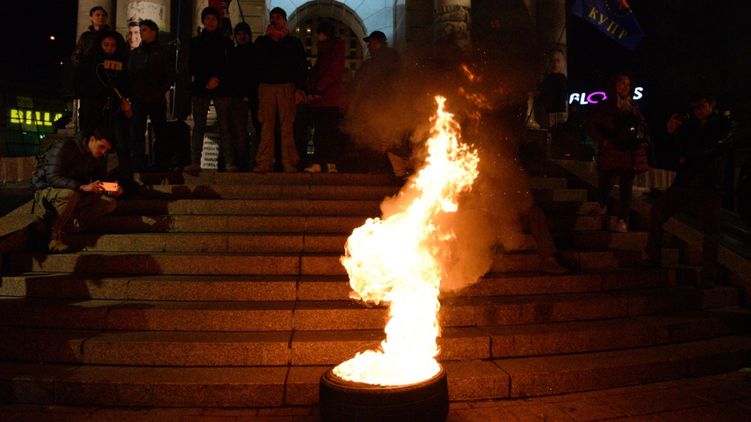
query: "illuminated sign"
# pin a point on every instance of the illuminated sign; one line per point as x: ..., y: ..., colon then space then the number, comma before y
x: 33, y: 117
x: 598, y: 96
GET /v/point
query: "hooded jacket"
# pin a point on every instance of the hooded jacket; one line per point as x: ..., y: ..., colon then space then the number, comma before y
x: 98, y: 73
x: 87, y: 40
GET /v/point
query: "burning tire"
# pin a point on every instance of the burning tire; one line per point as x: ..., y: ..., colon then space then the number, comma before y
x: 342, y: 400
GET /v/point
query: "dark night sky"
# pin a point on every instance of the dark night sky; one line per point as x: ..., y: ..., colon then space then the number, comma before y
x: 30, y: 60
x: 698, y: 45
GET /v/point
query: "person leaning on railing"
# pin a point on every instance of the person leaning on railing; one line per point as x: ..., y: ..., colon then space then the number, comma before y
x: 702, y: 136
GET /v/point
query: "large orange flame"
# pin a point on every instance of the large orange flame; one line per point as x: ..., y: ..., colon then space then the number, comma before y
x: 395, y: 260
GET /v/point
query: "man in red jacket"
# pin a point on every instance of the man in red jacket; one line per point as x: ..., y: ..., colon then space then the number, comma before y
x: 326, y: 98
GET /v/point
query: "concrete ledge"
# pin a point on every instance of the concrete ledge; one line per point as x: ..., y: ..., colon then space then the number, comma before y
x: 17, y: 169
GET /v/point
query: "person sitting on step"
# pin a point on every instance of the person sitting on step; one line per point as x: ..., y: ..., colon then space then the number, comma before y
x: 69, y: 187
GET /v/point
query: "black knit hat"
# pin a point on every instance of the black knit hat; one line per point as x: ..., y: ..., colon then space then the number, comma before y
x: 149, y: 24
x: 280, y: 11
x: 243, y: 27
x: 210, y: 11
x: 376, y: 35
x: 95, y: 8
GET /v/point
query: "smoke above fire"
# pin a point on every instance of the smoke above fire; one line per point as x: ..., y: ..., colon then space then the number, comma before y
x: 491, y: 113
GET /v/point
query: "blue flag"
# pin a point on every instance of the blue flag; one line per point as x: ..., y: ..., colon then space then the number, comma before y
x: 613, y: 18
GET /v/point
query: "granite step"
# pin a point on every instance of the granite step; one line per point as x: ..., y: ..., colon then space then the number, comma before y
x: 301, y: 192
x: 301, y: 178
x: 155, y: 287
x: 301, y: 242
x: 271, y: 207
x: 104, y: 314
x: 601, y: 240
x: 288, y: 386
x: 235, y: 206
x: 283, y: 262
x: 267, y: 191
x: 158, y: 263
x: 304, y: 348
x: 221, y: 222
x: 316, y: 288
x: 215, y: 264
x: 227, y: 224
x: 320, y: 179
x: 287, y: 243
x: 538, y: 376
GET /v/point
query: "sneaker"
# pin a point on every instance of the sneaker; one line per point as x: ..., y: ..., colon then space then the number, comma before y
x: 315, y: 168
x: 331, y: 168
x: 618, y: 225
x: 551, y: 265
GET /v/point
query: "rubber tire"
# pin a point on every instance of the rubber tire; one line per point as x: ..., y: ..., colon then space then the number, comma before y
x: 342, y: 400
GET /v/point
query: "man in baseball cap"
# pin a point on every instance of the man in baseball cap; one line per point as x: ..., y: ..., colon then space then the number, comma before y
x: 376, y: 36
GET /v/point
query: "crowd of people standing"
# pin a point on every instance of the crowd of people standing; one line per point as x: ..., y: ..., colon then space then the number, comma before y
x: 255, y: 87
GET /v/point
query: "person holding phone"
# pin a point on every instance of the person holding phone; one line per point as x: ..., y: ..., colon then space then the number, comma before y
x: 69, y: 186
x: 703, y: 136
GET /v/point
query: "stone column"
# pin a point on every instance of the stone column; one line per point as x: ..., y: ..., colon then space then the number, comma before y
x: 551, y: 27
x: 451, y: 26
x: 83, y: 21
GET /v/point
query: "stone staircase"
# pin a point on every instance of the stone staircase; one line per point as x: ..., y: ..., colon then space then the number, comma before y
x: 225, y: 290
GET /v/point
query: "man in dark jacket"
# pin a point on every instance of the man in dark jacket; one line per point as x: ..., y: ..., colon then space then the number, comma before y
x: 87, y: 39
x: 244, y: 92
x: 68, y: 182
x: 702, y: 138
x: 151, y: 72
x: 372, y: 91
x: 282, y: 67
x: 208, y: 68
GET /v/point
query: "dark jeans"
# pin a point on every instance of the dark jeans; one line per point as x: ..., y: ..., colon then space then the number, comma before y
x: 327, y: 138
x: 200, y: 109
x: 240, y: 140
x: 157, y: 112
x: 677, y: 198
x: 607, y: 180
